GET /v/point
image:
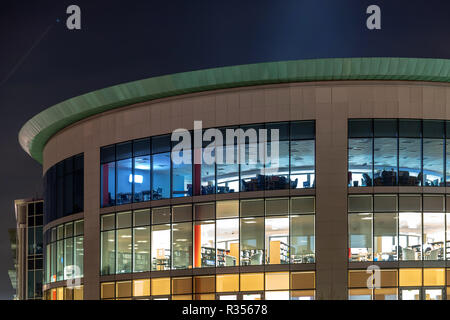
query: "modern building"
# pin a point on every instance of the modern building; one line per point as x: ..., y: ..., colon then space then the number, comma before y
x: 28, y: 243
x: 12, y: 273
x: 356, y: 208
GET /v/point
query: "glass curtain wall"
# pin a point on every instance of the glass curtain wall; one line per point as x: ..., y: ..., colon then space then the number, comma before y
x: 142, y: 170
x: 216, y: 234
x: 404, y: 152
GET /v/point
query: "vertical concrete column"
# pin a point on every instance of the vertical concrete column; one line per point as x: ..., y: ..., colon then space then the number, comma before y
x: 91, y: 222
x: 331, y: 196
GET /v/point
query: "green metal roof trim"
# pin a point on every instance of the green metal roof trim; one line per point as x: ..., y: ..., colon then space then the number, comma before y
x: 37, y: 131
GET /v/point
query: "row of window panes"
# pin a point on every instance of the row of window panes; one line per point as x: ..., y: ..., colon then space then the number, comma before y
x: 405, y: 152
x: 64, y: 188
x: 142, y: 170
x: 378, y: 231
x: 285, y: 235
x: 34, y: 284
x: 270, y: 285
x: 402, y: 284
x: 64, y: 253
x: 64, y: 293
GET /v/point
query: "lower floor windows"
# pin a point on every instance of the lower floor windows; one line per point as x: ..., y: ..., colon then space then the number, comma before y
x: 399, y: 284
x: 244, y: 286
x: 218, y: 234
x: 64, y: 293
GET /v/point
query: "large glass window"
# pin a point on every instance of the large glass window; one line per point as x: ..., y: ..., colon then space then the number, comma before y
x: 161, y: 247
x: 227, y: 242
x: 277, y: 166
x: 410, y: 235
x: 161, y: 176
x: 360, y: 236
x: 277, y: 240
x: 204, y: 244
x: 405, y: 151
x: 182, y: 176
x: 182, y: 245
x: 252, y: 241
x: 228, y: 165
x: 252, y: 166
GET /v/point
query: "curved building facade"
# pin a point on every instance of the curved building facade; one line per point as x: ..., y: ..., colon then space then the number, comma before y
x: 356, y: 207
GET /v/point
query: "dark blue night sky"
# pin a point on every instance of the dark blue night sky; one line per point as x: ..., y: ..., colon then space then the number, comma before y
x: 43, y: 63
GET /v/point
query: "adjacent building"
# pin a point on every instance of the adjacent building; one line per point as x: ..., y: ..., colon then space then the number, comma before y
x: 28, y: 244
x: 355, y: 208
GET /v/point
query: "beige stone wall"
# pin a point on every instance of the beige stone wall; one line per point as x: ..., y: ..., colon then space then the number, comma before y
x: 329, y: 103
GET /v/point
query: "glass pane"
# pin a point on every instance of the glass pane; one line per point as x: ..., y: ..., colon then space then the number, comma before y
x: 108, y: 222
x: 252, y: 167
x: 141, y: 249
x: 410, y: 294
x: 385, y: 162
x: 277, y: 170
x: 207, y: 175
x: 161, y: 247
x: 161, y: 215
x: 60, y: 260
x: 433, y: 236
x: 277, y: 240
x: 360, y: 128
x: 79, y: 257
x: 161, y: 176
x: 302, y: 164
x: 182, y: 175
x: 410, y: 151
x: 123, y: 249
x: 182, y: 246
x: 204, y: 211
x: 360, y: 236
x: 302, y: 249
x: 182, y: 213
x: 433, y: 162
x: 252, y: 241
x: 123, y: 220
x: 410, y: 237
x: 360, y: 163
x: 227, y: 242
x: 228, y: 170
x: 124, y: 181
x: 227, y: 209
x: 204, y: 244
x: 252, y: 208
x: 68, y: 258
x: 141, y: 179
x: 141, y: 217
x: 385, y: 236
x: 108, y: 248
x: 448, y: 159
x: 277, y: 207
x: 108, y: 184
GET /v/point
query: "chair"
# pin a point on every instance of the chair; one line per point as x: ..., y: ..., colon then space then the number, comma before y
x: 367, y: 180
x: 256, y: 259
x: 408, y: 254
x: 229, y: 261
x: 433, y: 254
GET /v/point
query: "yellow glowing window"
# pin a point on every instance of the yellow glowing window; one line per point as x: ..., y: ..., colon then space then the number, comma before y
x: 107, y: 290
x: 53, y: 294
x: 277, y: 281
x: 358, y: 278
x: 123, y: 289
x: 360, y: 294
x: 160, y: 286
x: 388, y: 278
x: 410, y: 277
x: 252, y: 281
x: 68, y: 293
x: 227, y: 282
x: 205, y: 284
x: 60, y: 293
x: 205, y: 296
x: 385, y: 294
x: 448, y: 293
x: 303, y: 280
x: 448, y: 270
x: 182, y: 285
x: 303, y: 294
x: 182, y: 297
x: 141, y: 288
x: 78, y: 293
x: 434, y: 277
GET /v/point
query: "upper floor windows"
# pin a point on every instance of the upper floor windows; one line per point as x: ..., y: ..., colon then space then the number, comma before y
x: 142, y: 170
x: 391, y: 152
